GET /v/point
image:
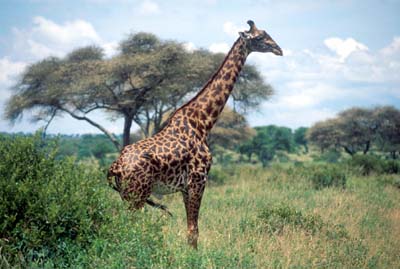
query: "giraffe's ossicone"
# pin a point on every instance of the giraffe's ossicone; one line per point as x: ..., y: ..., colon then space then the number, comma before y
x: 178, y: 159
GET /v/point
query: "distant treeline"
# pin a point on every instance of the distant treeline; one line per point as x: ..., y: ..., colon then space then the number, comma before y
x: 352, y: 131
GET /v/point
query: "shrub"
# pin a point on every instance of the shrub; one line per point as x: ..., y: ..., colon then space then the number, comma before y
x: 45, y: 203
x: 53, y: 211
x: 275, y: 218
x: 391, y: 167
x: 368, y: 164
x: 330, y: 156
x: 326, y: 175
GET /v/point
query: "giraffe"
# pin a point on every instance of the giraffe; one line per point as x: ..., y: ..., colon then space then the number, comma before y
x: 177, y: 158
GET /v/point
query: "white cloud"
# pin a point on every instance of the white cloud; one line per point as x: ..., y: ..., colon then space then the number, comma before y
x: 344, y: 47
x: 219, y: 47
x: 9, y: 69
x: 149, y: 7
x: 41, y: 51
x: 393, y: 49
x: 69, y: 32
x: 48, y: 38
x: 231, y: 29
x: 287, y: 52
x: 110, y: 48
x: 189, y: 46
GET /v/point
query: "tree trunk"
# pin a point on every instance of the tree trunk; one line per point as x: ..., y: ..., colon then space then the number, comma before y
x: 349, y: 151
x: 367, y: 146
x: 249, y: 155
x: 126, y: 136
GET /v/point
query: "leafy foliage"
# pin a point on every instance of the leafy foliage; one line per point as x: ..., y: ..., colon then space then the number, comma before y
x: 267, y: 141
x: 52, y: 210
x: 300, y: 138
x: 275, y: 218
x: 329, y: 156
x: 368, y: 164
x: 388, y: 130
x: 328, y: 175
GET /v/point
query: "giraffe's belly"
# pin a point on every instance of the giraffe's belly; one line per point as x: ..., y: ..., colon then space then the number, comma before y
x: 172, y: 185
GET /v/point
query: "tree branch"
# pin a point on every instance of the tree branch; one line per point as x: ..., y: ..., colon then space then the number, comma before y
x: 111, y: 136
x: 98, y: 106
x: 115, y: 97
x: 48, y: 123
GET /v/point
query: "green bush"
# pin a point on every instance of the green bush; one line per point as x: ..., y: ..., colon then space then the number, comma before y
x: 275, y: 218
x: 326, y: 175
x: 330, y: 156
x: 368, y: 164
x: 52, y: 211
x: 391, y: 167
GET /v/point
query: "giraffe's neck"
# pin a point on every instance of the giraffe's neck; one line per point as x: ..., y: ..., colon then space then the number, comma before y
x: 208, y: 104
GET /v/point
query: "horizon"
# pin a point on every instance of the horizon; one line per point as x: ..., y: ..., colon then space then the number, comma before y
x: 336, y: 55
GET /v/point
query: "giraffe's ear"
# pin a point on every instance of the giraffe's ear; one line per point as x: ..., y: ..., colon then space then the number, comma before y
x: 244, y: 35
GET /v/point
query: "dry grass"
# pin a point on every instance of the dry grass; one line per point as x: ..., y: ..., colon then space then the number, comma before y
x: 229, y: 224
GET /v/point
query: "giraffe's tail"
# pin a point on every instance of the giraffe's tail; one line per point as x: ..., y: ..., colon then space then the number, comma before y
x: 157, y: 205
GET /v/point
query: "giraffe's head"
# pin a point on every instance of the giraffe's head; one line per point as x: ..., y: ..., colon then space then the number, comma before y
x: 259, y: 40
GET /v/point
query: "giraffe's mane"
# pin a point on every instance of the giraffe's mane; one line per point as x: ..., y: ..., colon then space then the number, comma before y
x: 204, y: 87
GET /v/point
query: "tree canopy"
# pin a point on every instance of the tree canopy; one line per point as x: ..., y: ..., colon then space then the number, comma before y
x: 357, y: 129
x: 148, y: 78
x: 300, y: 137
x: 267, y: 141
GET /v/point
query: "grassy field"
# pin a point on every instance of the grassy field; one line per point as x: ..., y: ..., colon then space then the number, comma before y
x: 61, y: 214
x: 274, y: 218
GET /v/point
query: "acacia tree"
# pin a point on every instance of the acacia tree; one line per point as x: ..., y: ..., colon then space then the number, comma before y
x: 324, y: 134
x: 148, y: 78
x: 356, y: 129
x: 352, y: 130
x: 388, y: 129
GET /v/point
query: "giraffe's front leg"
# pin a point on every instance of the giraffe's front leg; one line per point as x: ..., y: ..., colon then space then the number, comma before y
x: 192, y: 199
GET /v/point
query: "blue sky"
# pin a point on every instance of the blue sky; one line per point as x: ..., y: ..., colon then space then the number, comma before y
x: 338, y: 54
